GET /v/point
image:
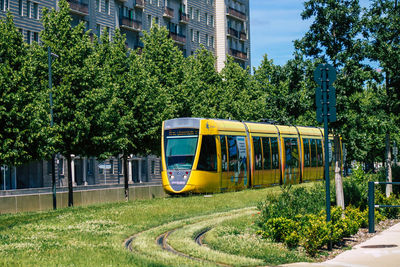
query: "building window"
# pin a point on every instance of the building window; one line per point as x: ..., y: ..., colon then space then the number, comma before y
x: 98, y: 30
x: 212, y: 20
x: 207, y: 40
x: 109, y: 33
x: 192, y: 35
x: 157, y: 21
x: 28, y: 7
x: 99, y: 5
x: 149, y: 20
x: 35, y: 11
x: 61, y: 166
x: 28, y: 37
x: 4, y: 5
x: 120, y: 167
x: 198, y: 36
x: 112, y: 166
x: 20, y: 8
x: 191, y: 12
x: 107, y: 7
x: 198, y: 15
x: 36, y: 37
x: 206, y: 16
x: 212, y: 41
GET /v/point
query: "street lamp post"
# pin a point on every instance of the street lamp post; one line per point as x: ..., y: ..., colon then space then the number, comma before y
x: 53, y: 167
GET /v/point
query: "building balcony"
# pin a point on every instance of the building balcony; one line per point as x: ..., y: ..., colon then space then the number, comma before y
x: 140, y: 4
x: 79, y: 7
x: 237, y: 54
x: 233, y: 33
x: 130, y: 24
x: 243, y: 36
x: 236, y: 14
x: 168, y: 12
x: 184, y: 18
x: 178, y: 38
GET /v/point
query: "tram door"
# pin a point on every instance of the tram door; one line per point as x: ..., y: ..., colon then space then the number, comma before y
x: 257, y: 162
x: 224, y: 163
x: 292, y: 163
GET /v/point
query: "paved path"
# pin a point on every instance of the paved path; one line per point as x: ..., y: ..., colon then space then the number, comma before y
x: 363, y: 255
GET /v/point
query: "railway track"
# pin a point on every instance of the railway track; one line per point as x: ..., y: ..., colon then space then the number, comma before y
x: 195, y: 229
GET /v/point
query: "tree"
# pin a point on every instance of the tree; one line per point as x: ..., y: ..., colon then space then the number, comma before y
x: 203, y: 86
x: 289, y: 90
x: 241, y: 98
x: 77, y: 97
x: 23, y: 115
x: 164, y: 62
x: 334, y: 37
x: 382, y: 22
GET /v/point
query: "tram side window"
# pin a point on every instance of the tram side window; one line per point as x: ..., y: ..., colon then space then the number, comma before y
x: 224, y: 153
x: 331, y: 152
x: 319, y: 152
x: 257, y: 153
x: 275, y: 153
x: 233, y: 153
x: 306, y: 145
x: 313, y: 145
x: 208, y: 154
x: 292, y: 152
x: 267, y: 153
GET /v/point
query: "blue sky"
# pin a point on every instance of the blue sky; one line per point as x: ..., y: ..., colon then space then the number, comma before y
x: 274, y: 25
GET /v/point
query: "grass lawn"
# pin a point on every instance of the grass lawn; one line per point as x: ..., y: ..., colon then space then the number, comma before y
x: 94, y: 235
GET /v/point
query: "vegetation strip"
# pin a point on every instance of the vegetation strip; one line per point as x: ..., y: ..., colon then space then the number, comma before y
x: 143, y: 242
x: 184, y: 240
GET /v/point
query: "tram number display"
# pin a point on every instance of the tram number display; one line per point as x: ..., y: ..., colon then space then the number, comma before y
x: 181, y: 132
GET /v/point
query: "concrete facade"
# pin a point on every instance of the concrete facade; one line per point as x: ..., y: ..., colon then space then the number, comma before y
x: 221, y: 26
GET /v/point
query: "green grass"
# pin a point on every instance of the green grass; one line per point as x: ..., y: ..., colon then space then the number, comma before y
x: 94, y: 236
x: 236, y: 236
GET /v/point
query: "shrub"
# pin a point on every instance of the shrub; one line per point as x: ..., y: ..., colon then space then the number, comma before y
x: 279, y: 228
x: 315, y: 235
x: 292, y: 240
x: 381, y: 199
x: 291, y: 202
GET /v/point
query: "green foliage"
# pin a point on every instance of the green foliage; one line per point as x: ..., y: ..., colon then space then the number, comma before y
x: 297, y: 217
x: 23, y: 110
x: 292, y: 202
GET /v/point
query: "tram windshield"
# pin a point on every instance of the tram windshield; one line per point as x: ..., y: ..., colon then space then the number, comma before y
x: 180, y: 152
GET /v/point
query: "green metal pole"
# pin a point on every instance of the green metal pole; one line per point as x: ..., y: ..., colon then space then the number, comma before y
x: 326, y: 169
x: 371, y: 207
x: 53, y: 167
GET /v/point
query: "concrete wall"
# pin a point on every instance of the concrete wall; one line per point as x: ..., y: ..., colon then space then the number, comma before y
x: 43, y: 202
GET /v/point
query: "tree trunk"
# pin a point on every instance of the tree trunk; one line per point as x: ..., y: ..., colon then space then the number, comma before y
x: 389, y: 188
x: 338, y: 174
x: 70, y: 190
x: 126, y: 185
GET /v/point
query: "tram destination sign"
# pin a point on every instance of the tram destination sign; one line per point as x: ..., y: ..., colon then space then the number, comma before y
x: 182, y: 132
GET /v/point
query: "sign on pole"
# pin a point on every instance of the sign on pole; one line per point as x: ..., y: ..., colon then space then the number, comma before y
x: 325, y: 100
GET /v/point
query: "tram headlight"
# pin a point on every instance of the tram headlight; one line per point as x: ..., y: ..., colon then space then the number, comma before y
x: 172, y: 177
x: 185, y: 177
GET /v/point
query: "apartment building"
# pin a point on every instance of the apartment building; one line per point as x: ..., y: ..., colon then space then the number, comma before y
x: 221, y: 26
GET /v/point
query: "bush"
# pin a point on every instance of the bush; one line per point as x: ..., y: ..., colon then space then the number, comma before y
x: 381, y: 199
x: 279, y: 228
x: 291, y: 202
x: 315, y: 235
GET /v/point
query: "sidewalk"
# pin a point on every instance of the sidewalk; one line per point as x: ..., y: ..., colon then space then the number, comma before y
x: 382, y: 250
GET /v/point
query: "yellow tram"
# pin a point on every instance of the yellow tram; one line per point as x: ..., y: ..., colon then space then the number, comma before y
x: 213, y: 155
